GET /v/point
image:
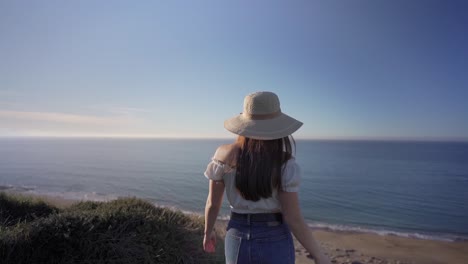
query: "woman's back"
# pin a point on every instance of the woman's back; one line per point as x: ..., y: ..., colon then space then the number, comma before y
x: 219, y: 170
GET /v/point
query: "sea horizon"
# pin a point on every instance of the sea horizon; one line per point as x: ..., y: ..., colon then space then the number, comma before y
x: 233, y: 138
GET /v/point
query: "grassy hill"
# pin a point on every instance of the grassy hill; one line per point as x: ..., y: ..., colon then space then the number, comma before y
x: 127, y: 230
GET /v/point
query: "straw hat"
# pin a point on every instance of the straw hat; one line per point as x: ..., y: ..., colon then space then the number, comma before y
x: 262, y: 118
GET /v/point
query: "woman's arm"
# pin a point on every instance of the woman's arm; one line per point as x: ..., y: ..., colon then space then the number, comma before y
x: 213, y: 204
x: 293, y: 217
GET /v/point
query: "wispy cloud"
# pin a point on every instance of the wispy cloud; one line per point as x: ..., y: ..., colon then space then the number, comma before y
x: 28, y: 123
x: 119, y: 110
x: 124, y: 122
x: 64, y: 118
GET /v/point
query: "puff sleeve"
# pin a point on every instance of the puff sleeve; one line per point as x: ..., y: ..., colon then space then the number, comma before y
x: 291, y: 177
x: 215, y: 170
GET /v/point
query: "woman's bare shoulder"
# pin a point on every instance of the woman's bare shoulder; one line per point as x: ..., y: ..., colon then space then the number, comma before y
x: 227, y: 153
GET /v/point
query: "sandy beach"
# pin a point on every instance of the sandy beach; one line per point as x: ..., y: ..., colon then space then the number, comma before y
x: 364, y: 248
x: 354, y: 247
x: 347, y: 247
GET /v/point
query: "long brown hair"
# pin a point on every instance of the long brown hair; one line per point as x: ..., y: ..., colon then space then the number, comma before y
x: 259, y: 164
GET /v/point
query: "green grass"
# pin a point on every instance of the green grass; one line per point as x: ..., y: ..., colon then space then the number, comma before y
x: 126, y: 230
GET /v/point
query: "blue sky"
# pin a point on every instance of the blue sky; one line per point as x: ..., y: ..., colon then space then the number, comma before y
x: 347, y: 69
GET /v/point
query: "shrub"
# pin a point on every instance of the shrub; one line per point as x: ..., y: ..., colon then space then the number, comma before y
x: 15, y: 209
x: 122, y: 231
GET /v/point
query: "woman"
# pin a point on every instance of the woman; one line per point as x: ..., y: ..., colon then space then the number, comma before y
x: 261, y: 178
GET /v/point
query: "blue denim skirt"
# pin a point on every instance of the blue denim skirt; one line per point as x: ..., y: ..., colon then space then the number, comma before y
x: 259, y: 239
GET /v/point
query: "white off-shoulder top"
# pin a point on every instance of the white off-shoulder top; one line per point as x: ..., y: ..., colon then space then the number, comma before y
x: 218, y: 171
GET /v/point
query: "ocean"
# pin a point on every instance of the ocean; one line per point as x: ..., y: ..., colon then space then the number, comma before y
x: 407, y: 188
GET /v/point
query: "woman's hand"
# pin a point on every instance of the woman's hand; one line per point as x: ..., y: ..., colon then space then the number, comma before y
x: 209, y: 242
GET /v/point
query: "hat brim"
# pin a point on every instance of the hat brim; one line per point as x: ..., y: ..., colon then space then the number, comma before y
x: 264, y: 129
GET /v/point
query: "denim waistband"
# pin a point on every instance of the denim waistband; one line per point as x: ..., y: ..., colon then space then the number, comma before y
x: 263, y: 217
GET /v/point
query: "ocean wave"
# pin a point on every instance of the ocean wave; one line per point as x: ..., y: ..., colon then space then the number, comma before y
x: 78, y: 196
x: 20, y: 188
x: 381, y: 232
x: 5, y: 187
x: 386, y: 232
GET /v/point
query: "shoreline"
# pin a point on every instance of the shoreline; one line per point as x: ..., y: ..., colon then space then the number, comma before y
x: 61, y: 197
x: 346, y: 246
x: 323, y: 226
x: 387, y: 232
